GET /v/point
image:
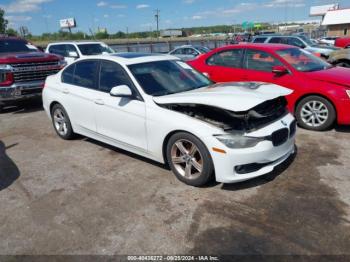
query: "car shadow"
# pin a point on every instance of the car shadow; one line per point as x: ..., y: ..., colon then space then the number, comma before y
x: 127, y: 153
x: 23, y: 107
x: 262, y: 180
x: 9, y: 171
x: 342, y: 129
x: 231, y: 187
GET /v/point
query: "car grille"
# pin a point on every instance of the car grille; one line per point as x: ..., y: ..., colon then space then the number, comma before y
x: 280, y: 136
x: 26, y: 72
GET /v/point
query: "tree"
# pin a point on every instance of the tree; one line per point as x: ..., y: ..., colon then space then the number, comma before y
x: 11, y: 32
x: 3, y: 22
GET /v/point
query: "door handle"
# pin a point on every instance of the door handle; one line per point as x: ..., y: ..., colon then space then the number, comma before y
x: 65, y: 91
x: 99, y: 102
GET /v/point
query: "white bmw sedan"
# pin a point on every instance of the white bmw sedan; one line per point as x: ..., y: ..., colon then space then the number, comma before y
x: 159, y: 107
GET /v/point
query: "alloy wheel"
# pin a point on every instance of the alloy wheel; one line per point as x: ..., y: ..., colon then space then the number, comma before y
x: 60, y: 121
x: 314, y: 113
x: 187, y: 159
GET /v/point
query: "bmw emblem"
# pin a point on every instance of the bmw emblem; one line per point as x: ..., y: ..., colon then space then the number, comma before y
x: 284, y: 123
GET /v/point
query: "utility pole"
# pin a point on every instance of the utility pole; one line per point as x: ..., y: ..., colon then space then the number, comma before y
x: 156, y: 16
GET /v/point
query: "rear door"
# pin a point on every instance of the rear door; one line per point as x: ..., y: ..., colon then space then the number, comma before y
x: 225, y: 66
x: 80, y: 92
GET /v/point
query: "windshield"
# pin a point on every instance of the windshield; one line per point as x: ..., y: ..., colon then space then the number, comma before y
x: 167, y: 77
x: 16, y: 46
x: 95, y: 49
x: 306, y: 40
x: 302, y: 60
x: 203, y: 49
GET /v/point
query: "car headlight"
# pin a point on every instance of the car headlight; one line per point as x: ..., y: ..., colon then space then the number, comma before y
x: 238, y: 141
x: 348, y: 92
x: 6, y: 67
x: 62, y: 63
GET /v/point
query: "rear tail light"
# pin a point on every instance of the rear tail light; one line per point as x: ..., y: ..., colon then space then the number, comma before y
x: 317, y: 54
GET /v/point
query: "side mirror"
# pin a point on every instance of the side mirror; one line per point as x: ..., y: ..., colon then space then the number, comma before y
x: 280, y: 70
x: 121, y: 91
x: 73, y: 54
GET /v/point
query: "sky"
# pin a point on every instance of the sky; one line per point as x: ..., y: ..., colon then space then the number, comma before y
x: 138, y: 15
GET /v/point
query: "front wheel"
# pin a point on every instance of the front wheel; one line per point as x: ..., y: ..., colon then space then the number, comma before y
x: 189, y: 159
x: 315, y: 113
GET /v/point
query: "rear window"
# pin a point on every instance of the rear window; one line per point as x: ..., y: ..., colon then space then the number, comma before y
x: 94, y: 49
x: 16, y: 46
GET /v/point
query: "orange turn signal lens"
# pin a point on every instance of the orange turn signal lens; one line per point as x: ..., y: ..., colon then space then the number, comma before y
x: 218, y: 150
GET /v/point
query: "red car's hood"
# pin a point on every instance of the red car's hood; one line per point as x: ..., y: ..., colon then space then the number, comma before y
x: 27, y: 57
x: 334, y: 75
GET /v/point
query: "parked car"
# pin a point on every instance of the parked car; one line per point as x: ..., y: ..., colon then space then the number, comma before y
x: 298, y: 41
x: 74, y: 50
x: 329, y: 40
x: 343, y: 42
x: 161, y: 108
x: 321, y: 94
x: 340, y: 58
x: 23, y: 69
x: 189, y: 52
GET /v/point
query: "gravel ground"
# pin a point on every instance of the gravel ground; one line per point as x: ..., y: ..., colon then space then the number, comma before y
x: 84, y: 197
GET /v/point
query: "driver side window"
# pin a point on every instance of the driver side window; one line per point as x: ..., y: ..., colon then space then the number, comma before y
x: 260, y: 61
x: 112, y: 75
x: 296, y: 42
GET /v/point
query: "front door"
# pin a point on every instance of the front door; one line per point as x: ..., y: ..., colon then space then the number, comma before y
x: 119, y: 118
x: 258, y: 67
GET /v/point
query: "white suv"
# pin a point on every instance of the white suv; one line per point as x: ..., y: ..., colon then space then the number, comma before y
x: 74, y: 50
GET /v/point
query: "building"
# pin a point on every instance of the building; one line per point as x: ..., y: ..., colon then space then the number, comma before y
x: 334, y: 20
x: 337, y: 22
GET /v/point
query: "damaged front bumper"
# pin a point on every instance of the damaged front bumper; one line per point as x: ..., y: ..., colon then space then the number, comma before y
x: 236, y: 165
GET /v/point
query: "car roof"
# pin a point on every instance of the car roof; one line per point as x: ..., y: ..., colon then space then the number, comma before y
x: 133, y: 58
x: 261, y: 46
x: 75, y: 42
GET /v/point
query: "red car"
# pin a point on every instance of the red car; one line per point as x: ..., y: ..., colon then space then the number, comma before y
x: 321, y: 94
x: 343, y: 42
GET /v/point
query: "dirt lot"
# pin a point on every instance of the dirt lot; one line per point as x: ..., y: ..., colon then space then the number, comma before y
x: 84, y: 197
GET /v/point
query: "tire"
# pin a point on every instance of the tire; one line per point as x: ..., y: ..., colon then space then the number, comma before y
x: 194, y: 168
x: 61, y: 122
x: 315, y: 113
x: 343, y: 64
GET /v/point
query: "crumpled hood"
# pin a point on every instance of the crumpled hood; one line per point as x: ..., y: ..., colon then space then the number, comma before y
x: 237, y: 97
x: 334, y: 75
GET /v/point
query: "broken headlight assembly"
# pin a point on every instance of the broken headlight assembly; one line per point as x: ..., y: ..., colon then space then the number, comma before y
x: 238, y: 141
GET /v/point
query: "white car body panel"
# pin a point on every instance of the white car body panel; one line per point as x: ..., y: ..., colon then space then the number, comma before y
x: 141, y: 127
